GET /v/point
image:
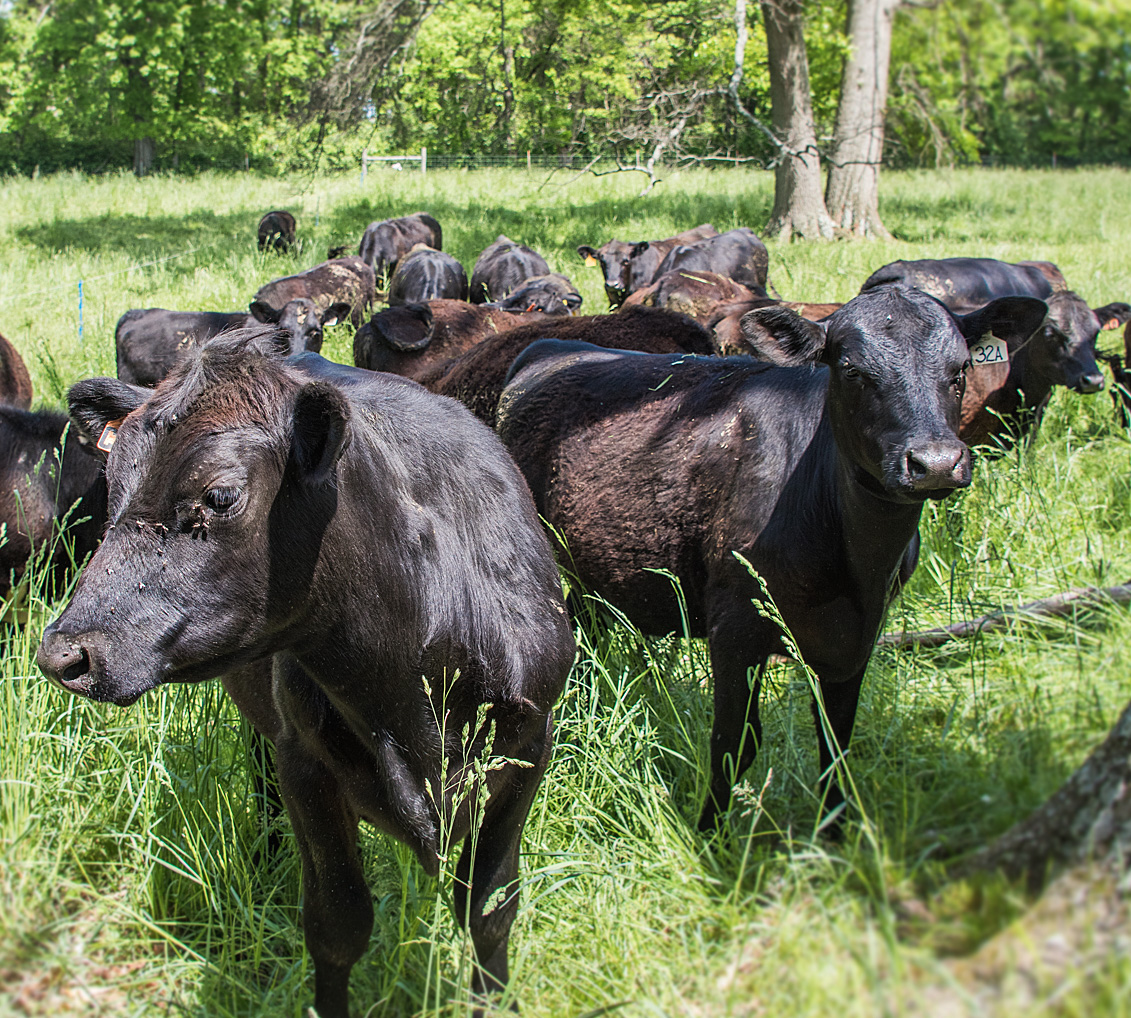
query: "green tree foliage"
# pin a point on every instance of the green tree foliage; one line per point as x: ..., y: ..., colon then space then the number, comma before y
x: 209, y: 81
x: 1012, y: 81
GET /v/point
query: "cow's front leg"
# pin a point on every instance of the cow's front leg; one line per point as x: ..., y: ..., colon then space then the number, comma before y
x: 337, y: 910
x: 486, y: 881
x: 840, y: 700
x: 736, y: 730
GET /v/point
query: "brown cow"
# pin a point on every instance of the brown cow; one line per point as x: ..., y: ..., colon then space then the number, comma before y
x: 341, y: 280
x: 476, y: 379
x: 410, y: 339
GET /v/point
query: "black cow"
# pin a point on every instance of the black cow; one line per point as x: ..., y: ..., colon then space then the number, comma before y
x: 964, y: 284
x: 52, y: 498
x: 153, y: 341
x: 502, y: 267
x: 1006, y: 397
x: 552, y: 294
x: 379, y: 544
x: 15, y: 382
x: 815, y: 472
x: 337, y: 281
x: 628, y: 265
x: 425, y: 274
x: 386, y: 242
x: 276, y: 231
x: 737, y: 254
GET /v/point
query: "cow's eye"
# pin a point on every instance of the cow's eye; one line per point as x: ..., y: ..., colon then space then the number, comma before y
x: 221, y: 500
x: 850, y: 371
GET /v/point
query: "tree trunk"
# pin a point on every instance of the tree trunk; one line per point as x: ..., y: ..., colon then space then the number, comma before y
x: 799, y: 206
x: 144, y: 150
x: 1079, y: 926
x: 853, y: 192
x: 1088, y: 816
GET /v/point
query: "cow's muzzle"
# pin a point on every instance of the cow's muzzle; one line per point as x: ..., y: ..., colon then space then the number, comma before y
x: 1089, y: 383
x: 935, y: 468
x: 77, y: 664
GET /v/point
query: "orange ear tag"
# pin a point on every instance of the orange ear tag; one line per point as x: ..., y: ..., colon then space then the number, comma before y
x: 590, y: 261
x: 109, y: 435
x: 1111, y: 323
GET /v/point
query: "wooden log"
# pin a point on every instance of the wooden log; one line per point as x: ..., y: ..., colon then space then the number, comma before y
x: 1057, y: 606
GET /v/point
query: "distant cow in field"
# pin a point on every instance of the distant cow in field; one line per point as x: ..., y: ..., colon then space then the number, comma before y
x: 552, y: 294
x: 46, y: 485
x: 696, y: 294
x: 477, y: 378
x: 813, y: 468
x: 386, y: 242
x: 425, y: 274
x: 502, y: 267
x: 410, y: 339
x: 737, y: 254
x: 627, y: 266
x: 339, y: 281
x: 1009, y: 386
x: 276, y: 231
x: 15, y: 382
x: 379, y: 545
x: 153, y: 341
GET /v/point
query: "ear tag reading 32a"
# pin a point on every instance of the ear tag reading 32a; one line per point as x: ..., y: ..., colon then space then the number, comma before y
x: 989, y: 350
x: 109, y: 435
x: 590, y: 261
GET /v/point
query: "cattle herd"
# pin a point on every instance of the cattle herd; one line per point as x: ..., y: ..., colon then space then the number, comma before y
x: 365, y: 554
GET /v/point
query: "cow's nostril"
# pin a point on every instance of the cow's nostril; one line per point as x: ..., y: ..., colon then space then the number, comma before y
x: 77, y: 669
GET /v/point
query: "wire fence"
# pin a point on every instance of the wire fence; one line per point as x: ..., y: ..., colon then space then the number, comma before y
x: 547, y: 161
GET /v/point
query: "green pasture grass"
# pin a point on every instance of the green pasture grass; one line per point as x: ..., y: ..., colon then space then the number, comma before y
x: 135, y: 877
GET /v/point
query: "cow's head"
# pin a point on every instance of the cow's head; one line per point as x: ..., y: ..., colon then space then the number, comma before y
x: 222, y: 483
x: 552, y: 294
x: 618, y: 259
x: 299, y: 323
x: 1063, y: 350
x: 896, y: 359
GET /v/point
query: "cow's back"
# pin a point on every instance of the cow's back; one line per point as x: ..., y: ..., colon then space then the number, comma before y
x: 964, y: 284
x: 476, y: 378
x: 695, y: 440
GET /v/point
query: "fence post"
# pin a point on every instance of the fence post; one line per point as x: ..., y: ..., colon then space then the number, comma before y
x: 364, y: 154
x: 80, y: 312
x: 528, y: 160
x: 423, y: 160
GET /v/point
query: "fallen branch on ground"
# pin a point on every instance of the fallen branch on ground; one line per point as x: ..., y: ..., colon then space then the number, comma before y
x: 1056, y: 606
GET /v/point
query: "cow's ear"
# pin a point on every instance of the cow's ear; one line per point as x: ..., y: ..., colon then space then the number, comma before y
x: 264, y: 313
x: 587, y: 252
x: 321, y: 431
x: 1013, y: 319
x: 336, y: 312
x: 783, y: 337
x: 98, y: 406
x: 407, y: 329
x: 639, y: 248
x: 1112, y: 316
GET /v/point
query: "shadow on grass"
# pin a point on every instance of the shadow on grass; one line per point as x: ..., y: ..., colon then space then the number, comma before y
x: 144, y: 236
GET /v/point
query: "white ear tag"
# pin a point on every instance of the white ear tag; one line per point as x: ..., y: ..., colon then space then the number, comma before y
x: 109, y: 435
x: 989, y: 350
